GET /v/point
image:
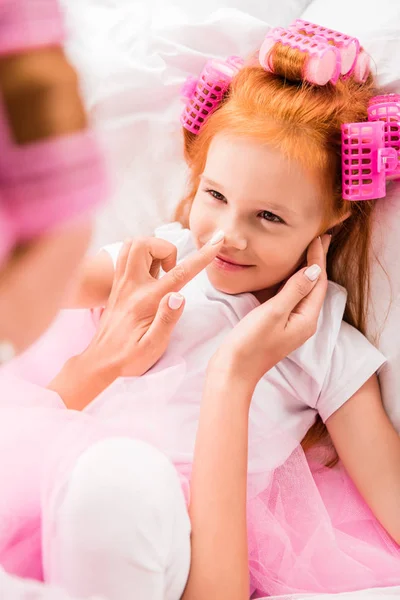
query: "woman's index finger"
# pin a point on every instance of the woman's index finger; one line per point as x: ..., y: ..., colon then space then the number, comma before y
x: 187, y: 269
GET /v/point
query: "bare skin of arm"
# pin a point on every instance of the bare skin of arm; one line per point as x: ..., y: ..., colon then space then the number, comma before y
x: 219, y: 565
x: 369, y: 448
x: 92, y: 283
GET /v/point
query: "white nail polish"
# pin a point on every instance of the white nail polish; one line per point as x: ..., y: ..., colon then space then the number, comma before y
x: 313, y: 272
x: 175, y: 301
x: 217, y: 237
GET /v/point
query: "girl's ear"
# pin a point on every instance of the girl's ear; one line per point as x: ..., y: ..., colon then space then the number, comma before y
x: 337, y: 223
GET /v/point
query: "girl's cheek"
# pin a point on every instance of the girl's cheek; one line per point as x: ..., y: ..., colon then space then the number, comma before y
x: 200, y: 220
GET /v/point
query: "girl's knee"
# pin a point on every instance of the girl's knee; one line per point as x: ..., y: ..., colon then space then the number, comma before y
x: 119, y: 491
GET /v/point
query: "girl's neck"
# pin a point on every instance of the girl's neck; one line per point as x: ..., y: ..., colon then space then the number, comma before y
x: 264, y: 295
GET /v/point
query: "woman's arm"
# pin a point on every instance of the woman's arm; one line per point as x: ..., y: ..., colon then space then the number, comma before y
x: 92, y: 283
x: 219, y: 565
x: 218, y: 491
x: 369, y: 448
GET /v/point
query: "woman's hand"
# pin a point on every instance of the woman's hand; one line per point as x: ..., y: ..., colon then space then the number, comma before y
x: 137, y: 323
x: 271, y: 331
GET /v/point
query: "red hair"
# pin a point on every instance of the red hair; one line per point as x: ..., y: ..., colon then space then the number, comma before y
x: 304, y: 122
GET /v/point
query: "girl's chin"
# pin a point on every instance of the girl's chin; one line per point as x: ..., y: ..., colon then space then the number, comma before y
x: 230, y: 283
x: 226, y: 282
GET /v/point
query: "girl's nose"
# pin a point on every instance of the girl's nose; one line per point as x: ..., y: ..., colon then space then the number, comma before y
x: 235, y: 238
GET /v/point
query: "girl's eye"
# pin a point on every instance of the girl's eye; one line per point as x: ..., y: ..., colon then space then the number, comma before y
x: 216, y: 195
x: 269, y: 216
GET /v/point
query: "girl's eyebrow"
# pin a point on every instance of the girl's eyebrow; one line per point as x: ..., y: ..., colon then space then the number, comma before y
x: 271, y: 205
x: 210, y: 182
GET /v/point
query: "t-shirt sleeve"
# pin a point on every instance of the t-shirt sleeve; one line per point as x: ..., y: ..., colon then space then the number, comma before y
x: 172, y: 232
x: 354, y: 360
x: 113, y: 250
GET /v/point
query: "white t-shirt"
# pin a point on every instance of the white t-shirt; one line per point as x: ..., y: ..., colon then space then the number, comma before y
x: 319, y: 377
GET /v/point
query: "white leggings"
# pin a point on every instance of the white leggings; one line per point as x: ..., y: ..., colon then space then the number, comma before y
x: 121, y: 528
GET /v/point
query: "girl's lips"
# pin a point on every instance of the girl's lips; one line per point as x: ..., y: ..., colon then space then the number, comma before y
x: 225, y: 264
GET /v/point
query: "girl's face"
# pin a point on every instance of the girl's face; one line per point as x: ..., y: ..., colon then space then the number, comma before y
x: 269, y: 208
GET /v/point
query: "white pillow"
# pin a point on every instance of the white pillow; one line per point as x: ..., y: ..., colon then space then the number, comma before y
x: 377, y: 25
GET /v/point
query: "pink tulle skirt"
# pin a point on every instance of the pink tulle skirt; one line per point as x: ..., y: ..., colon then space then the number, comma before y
x: 309, y: 529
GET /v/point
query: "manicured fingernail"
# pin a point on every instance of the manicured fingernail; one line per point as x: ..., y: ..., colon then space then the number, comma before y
x: 216, y: 238
x: 313, y: 272
x: 175, y: 301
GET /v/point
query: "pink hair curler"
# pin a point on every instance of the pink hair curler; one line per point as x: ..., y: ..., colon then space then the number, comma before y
x: 349, y: 47
x: 28, y: 24
x: 324, y: 60
x: 47, y: 183
x: 366, y: 161
x: 386, y: 108
x: 205, y: 94
x: 362, y: 67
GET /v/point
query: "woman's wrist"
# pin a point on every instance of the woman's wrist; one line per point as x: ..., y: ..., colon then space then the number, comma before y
x: 81, y: 380
x: 226, y: 377
x: 225, y: 369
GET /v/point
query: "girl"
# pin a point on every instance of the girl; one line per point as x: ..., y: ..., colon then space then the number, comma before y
x: 265, y: 170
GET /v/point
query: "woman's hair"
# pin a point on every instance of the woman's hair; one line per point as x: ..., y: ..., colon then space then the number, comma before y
x: 304, y: 122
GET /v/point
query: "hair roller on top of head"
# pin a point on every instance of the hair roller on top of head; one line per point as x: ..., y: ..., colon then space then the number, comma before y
x: 348, y: 46
x: 330, y: 54
x: 323, y: 59
x: 354, y: 60
x: 204, y: 95
x: 56, y: 173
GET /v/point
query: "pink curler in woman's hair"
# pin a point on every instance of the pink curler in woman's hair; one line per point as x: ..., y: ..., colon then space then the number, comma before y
x: 46, y: 182
x: 205, y: 94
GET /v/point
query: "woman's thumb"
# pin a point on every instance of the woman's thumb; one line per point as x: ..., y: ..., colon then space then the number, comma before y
x: 167, y: 316
x: 298, y: 287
